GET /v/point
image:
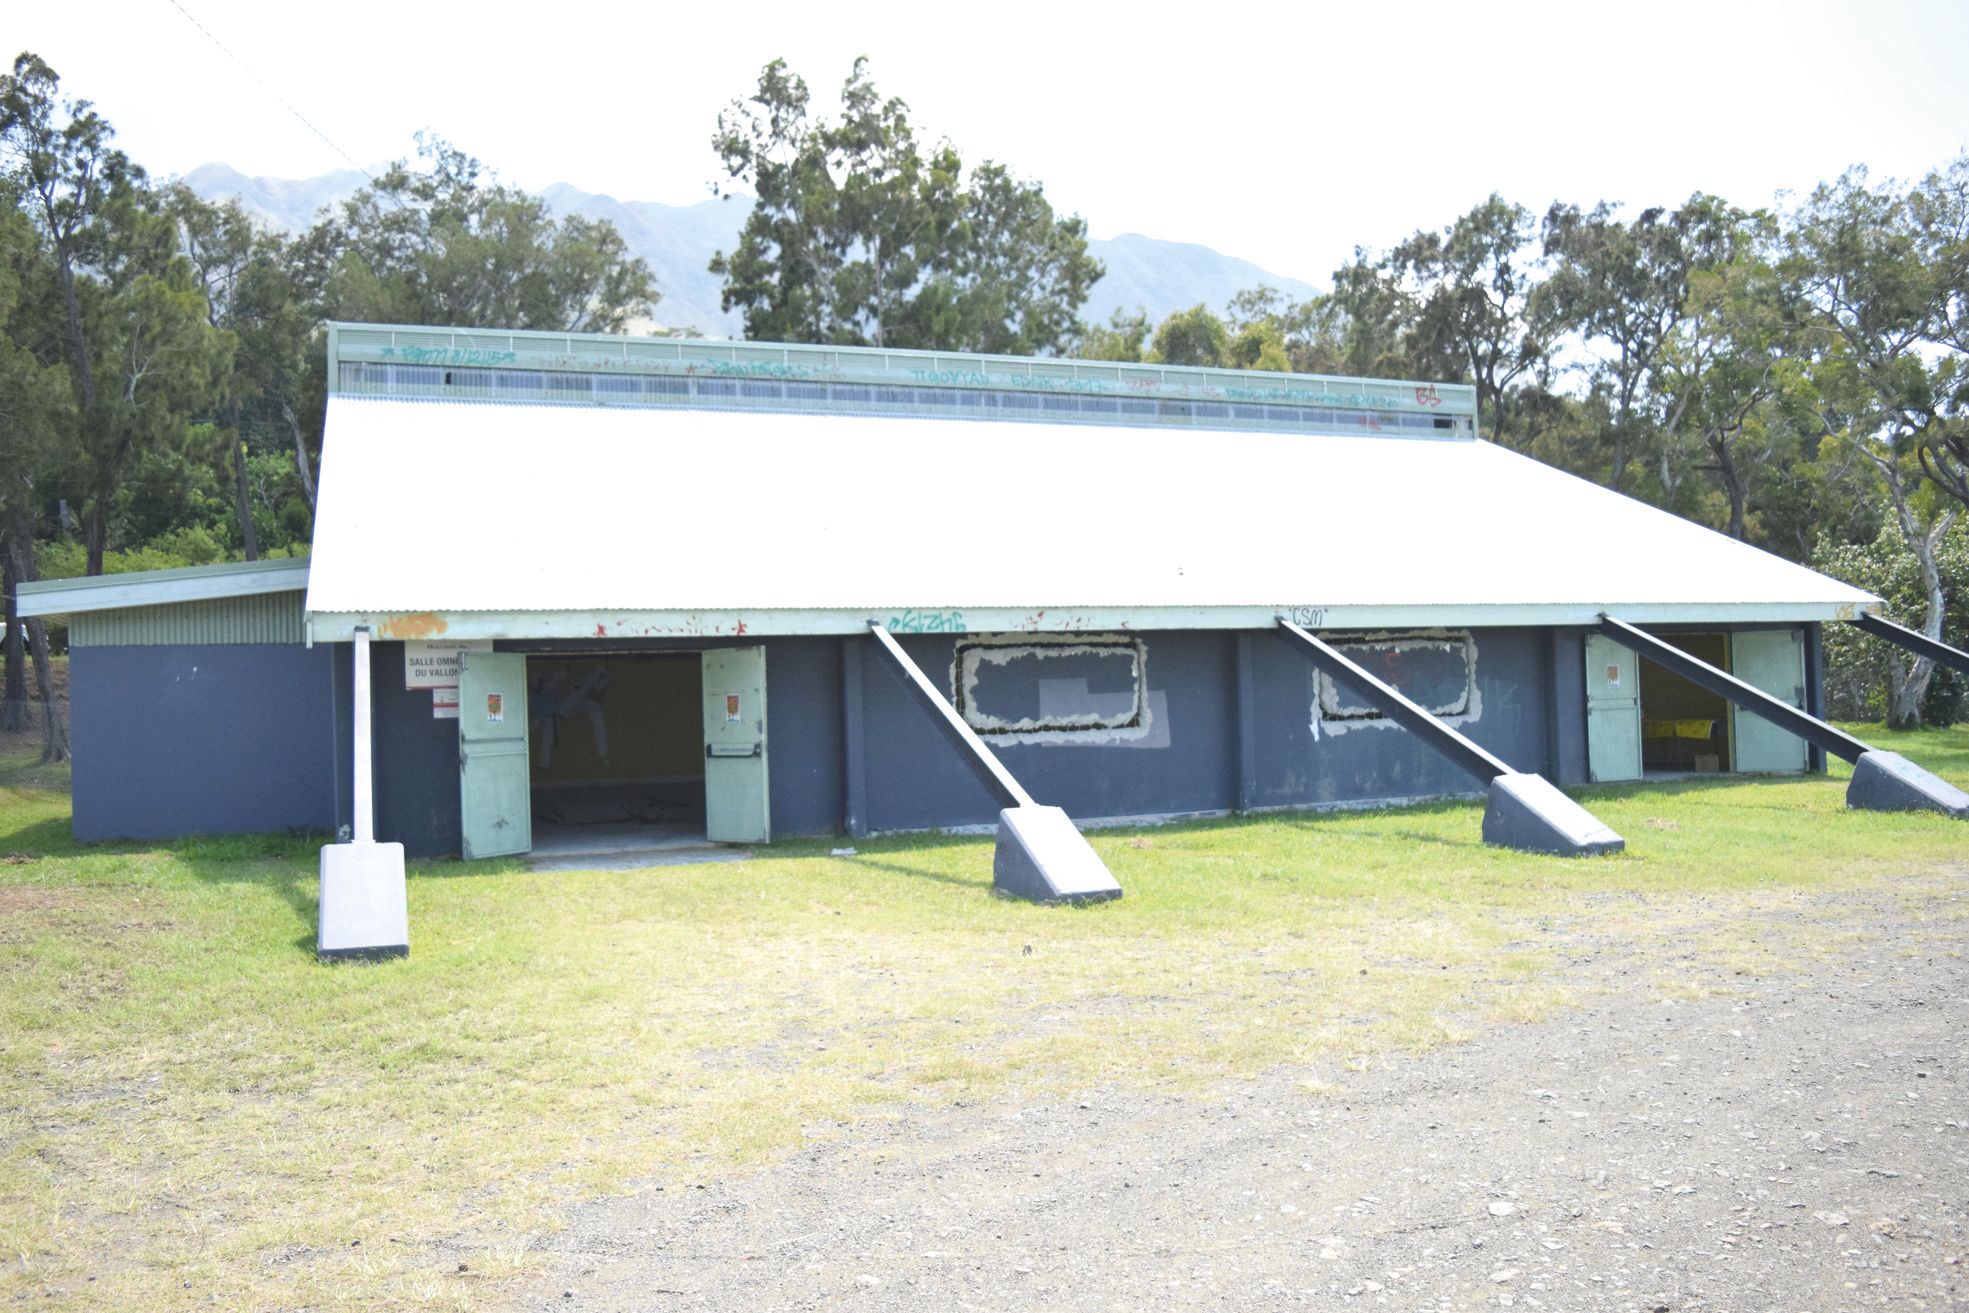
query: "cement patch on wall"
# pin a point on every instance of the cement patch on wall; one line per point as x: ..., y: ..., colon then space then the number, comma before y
x: 1332, y: 718
x: 1068, y: 713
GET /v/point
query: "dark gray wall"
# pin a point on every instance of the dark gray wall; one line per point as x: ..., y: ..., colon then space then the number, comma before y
x: 1234, y: 733
x: 913, y: 779
x: 176, y: 740
x: 416, y: 762
x: 221, y: 739
x: 1368, y: 761
x: 1565, y: 738
x: 804, y: 727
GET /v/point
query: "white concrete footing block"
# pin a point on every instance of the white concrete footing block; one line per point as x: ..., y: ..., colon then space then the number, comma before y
x: 1042, y: 856
x: 365, y: 909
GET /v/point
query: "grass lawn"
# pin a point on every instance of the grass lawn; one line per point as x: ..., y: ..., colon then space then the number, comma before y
x: 195, y: 1114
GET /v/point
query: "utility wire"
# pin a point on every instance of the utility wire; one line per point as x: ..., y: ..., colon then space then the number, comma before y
x: 266, y: 87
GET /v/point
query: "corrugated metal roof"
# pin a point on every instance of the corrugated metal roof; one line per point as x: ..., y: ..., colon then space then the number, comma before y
x: 163, y: 587
x: 811, y: 523
x: 259, y: 618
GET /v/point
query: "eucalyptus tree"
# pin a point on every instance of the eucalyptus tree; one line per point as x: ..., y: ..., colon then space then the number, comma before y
x: 860, y: 234
x: 1190, y: 337
x: 37, y: 411
x: 142, y: 357
x: 1622, y: 286
x: 1123, y: 339
x: 450, y: 244
x: 247, y: 275
x: 1720, y: 360
x: 75, y: 184
x: 219, y: 242
x: 1367, y: 317
x: 1877, y: 276
x: 1309, y: 333
x: 1475, y: 308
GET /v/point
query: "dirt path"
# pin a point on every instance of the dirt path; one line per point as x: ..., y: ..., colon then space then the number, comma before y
x: 1800, y: 1142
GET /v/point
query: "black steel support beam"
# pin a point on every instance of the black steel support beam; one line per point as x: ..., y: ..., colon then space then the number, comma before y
x: 1389, y: 701
x: 1728, y: 686
x: 1914, y: 641
x: 990, y: 770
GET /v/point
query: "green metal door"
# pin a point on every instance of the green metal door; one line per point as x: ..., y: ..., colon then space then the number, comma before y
x: 737, y: 808
x: 1772, y: 660
x: 1613, y: 710
x: 495, y: 799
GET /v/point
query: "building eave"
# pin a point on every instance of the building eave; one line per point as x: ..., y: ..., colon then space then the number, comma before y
x: 55, y: 597
x: 697, y: 626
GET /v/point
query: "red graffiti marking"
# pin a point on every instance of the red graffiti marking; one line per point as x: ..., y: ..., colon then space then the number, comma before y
x: 1428, y: 396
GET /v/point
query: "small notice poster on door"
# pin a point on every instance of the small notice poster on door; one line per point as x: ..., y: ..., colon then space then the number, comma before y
x: 1613, y: 676
x: 495, y: 708
x: 731, y: 708
x: 444, y: 704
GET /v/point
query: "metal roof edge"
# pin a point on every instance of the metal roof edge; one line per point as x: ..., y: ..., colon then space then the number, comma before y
x: 489, y: 346
x: 193, y: 583
x: 656, y: 626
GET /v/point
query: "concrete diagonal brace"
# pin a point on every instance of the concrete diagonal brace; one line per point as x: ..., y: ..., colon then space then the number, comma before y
x: 1914, y: 641
x: 1040, y: 856
x: 1524, y: 811
x: 1882, y: 781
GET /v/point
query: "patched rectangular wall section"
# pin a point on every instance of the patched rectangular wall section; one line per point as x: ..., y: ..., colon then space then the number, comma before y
x: 1437, y: 672
x: 1031, y: 688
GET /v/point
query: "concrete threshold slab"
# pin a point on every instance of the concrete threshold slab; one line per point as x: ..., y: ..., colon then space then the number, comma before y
x: 637, y: 860
x: 624, y: 846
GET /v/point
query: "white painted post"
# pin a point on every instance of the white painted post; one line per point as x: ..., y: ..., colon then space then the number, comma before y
x: 365, y: 802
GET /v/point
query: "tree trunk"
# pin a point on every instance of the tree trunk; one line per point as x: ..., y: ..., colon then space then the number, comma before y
x: 1907, y: 690
x: 249, y: 538
x: 54, y: 743
x: 78, y: 342
x: 1733, y: 488
x: 13, y: 700
x: 1907, y: 685
x: 94, y: 532
x: 301, y: 461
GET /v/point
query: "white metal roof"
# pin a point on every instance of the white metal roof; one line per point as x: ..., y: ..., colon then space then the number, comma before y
x: 502, y: 520
x: 195, y: 583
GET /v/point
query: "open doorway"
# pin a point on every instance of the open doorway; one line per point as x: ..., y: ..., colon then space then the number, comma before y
x: 617, y: 751
x: 1685, y: 729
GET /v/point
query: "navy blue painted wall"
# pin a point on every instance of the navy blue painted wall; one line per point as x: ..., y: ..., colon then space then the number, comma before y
x: 915, y: 780
x: 1372, y: 760
x: 850, y: 748
x: 416, y: 762
x: 220, y: 739
x: 804, y: 729
x: 1566, y: 758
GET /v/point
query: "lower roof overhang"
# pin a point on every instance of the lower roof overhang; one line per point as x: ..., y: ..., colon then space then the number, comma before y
x: 337, y: 627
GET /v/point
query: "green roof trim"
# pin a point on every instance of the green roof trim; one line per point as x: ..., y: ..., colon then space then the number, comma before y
x: 151, y: 588
x: 597, y: 369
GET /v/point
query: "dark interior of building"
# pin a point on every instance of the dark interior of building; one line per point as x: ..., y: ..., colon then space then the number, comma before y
x: 1685, y: 727
x: 617, y: 740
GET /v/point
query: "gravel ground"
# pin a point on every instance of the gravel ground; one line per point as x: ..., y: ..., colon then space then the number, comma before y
x: 1799, y: 1142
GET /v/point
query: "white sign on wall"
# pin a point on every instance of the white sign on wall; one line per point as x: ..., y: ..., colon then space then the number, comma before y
x: 435, y: 665
x: 444, y: 704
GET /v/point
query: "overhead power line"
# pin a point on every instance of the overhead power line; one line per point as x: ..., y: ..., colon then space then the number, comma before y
x: 268, y: 88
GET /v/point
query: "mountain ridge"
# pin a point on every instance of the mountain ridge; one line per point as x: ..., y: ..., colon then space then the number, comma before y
x: 1153, y: 274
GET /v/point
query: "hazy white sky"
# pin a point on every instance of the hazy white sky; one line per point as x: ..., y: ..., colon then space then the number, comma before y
x: 1284, y: 134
